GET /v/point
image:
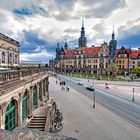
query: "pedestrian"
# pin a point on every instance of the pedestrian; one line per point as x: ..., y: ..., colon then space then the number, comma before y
x: 64, y: 83
x: 67, y: 89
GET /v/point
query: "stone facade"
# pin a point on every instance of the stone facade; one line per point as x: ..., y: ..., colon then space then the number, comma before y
x: 20, y: 96
x: 9, y: 52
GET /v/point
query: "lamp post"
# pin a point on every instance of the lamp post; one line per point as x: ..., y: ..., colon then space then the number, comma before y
x: 133, y: 94
x: 93, y: 93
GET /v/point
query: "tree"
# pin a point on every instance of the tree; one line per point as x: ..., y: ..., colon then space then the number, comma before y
x: 136, y: 71
x: 112, y: 69
x: 120, y: 72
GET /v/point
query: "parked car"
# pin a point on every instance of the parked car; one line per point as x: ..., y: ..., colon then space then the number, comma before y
x: 80, y: 83
x: 90, y: 88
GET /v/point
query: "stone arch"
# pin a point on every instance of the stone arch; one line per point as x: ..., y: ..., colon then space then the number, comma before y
x: 25, y: 105
x: 12, y: 114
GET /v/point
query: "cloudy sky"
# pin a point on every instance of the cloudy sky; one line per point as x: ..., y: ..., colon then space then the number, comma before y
x: 39, y: 24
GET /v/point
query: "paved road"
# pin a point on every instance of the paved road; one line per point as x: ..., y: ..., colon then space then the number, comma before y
x: 123, y: 108
x: 122, y: 89
x: 85, y: 123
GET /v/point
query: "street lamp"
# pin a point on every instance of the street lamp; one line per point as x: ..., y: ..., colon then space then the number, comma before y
x: 93, y: 99
x: 133, y: 94
x: 93, y: 93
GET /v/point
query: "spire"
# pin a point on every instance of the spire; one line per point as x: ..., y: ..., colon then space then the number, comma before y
x: 82, y: 22
x: 82, y: 39
x: 66, y: 45
x: 82, y: 28
x: 113, y: 34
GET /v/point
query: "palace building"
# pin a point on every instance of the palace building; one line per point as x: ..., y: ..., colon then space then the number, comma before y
x: 23, y: 91
x: 9, y: 52
x: 95, y: 59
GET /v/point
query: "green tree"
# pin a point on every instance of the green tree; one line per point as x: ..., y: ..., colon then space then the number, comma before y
x: 112, y: 69
x: 120, y: 72
x: 136, y: 71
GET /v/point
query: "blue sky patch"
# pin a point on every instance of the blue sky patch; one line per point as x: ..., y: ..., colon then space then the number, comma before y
x: 23, y: 11
x: 133, y: 41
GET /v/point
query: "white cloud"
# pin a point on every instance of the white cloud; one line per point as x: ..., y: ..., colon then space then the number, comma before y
x: 39, y: 54
x: 62, y: 20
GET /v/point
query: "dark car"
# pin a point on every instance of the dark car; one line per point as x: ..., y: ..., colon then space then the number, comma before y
x: 91, y: 88
x: 79, y: 83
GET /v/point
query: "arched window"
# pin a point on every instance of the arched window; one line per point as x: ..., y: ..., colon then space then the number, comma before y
x: 16, y: 59
x: 10, y: 58
x: 11, y: 116
x: 3, y: 57
x: 25, y: 106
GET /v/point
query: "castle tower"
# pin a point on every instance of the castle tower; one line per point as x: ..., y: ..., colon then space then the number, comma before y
x: 112, y: 48
x: 82, y: 40
x: 66, y: 45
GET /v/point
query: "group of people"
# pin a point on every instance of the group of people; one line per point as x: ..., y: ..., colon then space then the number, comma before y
x: 63, y: 85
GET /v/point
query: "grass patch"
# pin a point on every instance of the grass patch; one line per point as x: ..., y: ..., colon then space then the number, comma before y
x: 96, y: 77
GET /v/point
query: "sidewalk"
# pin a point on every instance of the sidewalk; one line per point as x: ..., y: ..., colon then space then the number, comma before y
x: 85, y: 123
x: 125, y: 92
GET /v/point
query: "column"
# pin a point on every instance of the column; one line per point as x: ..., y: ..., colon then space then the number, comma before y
x: 47, y: 88
x: 19, y: 110
x: 38, y: 94
x: 30, y: 103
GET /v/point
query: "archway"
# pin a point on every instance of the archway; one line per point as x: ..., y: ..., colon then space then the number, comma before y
x: 40, y: 90
x: 11, y: 116
x: 34, y: 97
x: 25, y: 106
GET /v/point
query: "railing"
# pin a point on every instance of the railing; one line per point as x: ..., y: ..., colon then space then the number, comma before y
x: 11, y: 80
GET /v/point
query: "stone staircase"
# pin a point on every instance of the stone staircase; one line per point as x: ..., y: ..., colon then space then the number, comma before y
x: 39, y: 118
x: 37, y: 122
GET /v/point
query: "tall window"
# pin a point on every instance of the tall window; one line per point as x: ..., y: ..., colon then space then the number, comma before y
x: 3, y: 57
x: 10, y: 58
x: 16, y: 59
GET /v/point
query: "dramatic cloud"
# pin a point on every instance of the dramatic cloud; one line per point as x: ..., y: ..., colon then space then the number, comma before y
x: 38, y: 53
x: 42, y: 23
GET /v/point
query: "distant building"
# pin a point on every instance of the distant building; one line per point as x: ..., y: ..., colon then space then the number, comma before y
x: 135, y: 59
x: 9, y: 52
x: 31, y: 64
x: 95, y: 59
x: 52, y: 64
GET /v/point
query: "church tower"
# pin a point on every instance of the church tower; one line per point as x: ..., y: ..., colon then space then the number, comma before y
x: 66, y: 45
x: 82, y: 40
x: 112, y: 48
x: 58, y: 50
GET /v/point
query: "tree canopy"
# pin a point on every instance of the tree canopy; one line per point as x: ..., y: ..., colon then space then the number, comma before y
x: 112, y: 68
x: 136, y: 71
